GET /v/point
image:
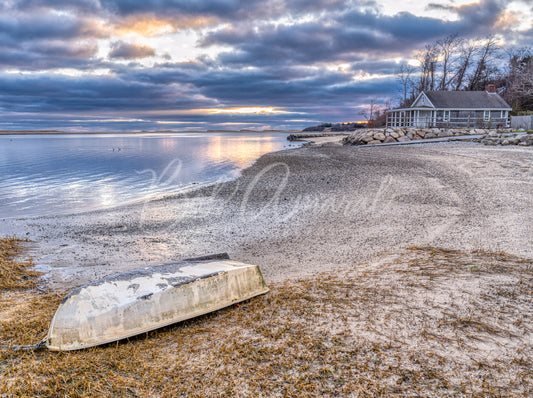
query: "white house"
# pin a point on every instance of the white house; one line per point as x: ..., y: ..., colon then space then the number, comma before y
x: 482, y: 109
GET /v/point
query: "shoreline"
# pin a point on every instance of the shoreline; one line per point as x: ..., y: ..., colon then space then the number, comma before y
x: 305, y: 210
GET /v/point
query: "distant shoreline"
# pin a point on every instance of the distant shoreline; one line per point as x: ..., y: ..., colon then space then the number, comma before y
x: 57, y: 132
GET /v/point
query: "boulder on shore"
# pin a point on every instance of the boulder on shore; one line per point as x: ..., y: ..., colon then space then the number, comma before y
x: 498, y: 138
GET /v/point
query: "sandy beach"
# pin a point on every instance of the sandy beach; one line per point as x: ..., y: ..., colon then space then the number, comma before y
x: 306, y: 210
x: 394, y: 271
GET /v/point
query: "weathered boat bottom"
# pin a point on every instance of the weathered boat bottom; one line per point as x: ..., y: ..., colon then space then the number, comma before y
x: 137, y: 301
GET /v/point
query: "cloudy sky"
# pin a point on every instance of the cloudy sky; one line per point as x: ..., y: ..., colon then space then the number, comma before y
x: 221, y: 64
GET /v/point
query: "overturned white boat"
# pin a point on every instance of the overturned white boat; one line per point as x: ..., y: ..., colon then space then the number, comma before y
x: 144, y: 299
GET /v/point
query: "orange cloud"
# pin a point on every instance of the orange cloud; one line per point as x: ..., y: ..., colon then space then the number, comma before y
x: 143, y: 26
x: 506, y: 20
x: 151, y: 25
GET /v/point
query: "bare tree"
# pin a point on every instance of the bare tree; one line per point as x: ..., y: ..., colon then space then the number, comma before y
x: 432, y: 70
x: 427, y: 60
x: 446, y: 54
x: 466, y: 55
x: 375, y: 114
x: 368, y: 113
x: 485, y: 68
x: 519, y: 79
x: 404, y: 76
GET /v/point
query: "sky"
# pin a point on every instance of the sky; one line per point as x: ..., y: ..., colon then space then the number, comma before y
x: 133, y: 65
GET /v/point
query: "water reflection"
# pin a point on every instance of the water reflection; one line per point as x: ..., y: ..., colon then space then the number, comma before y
x: 242, y: 151
x: 58, y: 174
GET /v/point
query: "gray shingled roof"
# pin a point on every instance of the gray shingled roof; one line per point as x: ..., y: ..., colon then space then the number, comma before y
x: 466, y: 99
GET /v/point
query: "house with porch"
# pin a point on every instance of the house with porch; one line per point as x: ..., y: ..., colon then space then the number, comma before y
x: 453, y: 109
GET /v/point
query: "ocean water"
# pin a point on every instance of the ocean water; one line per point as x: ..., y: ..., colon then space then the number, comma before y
x: 63, y: 174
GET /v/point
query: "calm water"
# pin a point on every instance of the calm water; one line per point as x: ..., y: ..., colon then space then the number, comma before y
x: 60, y: 174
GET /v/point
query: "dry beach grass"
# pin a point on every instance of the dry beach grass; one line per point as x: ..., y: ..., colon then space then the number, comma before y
x: 422, y: 322
x: 14, y: 274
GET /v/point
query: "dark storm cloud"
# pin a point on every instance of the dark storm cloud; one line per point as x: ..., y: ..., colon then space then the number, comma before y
x: 164, y: 74
x: 408, y: 29
x: 483, y: 14
x: 349, y: 37
x: 38, y: 55
x: 64, y: 49
x: 377, y: 67
x: 47, y: 57
x: 47, y: 25
x: 53, y: 93
x: 219, y: 9
x: 306, y: 43
x: 234, y: 87
x: 47, y: 40
x: 288, y: 87
x: 130, y: 51
x: 224, y: 9
x: 85, y: 5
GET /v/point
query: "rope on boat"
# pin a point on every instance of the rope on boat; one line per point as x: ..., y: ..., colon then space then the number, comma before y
x: 30, y: 347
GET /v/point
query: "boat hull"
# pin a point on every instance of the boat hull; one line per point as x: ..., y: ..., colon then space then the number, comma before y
x: 137, y: 301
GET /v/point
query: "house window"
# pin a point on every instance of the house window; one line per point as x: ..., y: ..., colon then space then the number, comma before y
x: 446, y: 116
x: 486, y: 116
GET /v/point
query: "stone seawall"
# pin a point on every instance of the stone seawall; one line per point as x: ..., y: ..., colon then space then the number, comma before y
x: 380, y: 136
x: 518, y: 138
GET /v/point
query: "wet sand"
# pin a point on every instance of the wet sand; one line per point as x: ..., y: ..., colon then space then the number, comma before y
x: 302, y: 211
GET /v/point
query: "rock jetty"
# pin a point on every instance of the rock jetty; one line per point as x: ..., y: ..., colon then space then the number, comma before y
x: 302, y: 137
x: 381, y: 135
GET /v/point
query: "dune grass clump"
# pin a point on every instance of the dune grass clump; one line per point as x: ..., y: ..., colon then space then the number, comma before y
x: 420, y: 323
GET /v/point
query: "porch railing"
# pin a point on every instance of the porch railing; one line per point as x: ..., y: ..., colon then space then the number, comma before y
x: 439, y: 122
